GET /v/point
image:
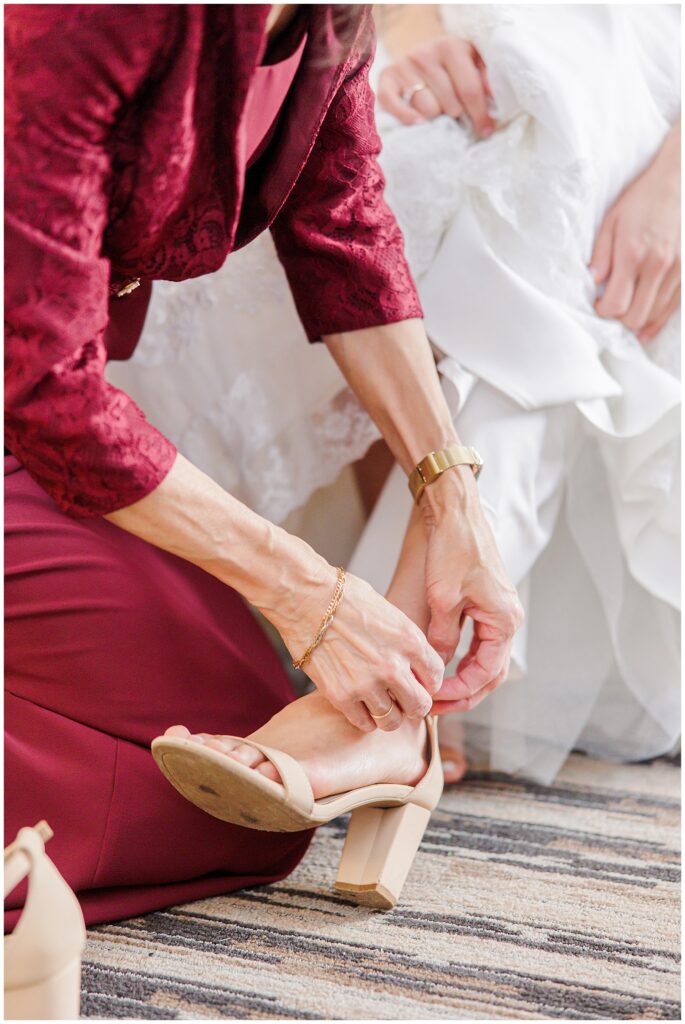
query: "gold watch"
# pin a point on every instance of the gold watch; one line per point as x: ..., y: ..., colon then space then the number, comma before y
x: 435, y: 464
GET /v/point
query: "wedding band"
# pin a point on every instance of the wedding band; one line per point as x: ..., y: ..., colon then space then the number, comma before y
x: 379, y: 718
x: 409, y: 94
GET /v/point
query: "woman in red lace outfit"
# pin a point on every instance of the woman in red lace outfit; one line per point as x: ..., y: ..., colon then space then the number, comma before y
x: 148, y: 142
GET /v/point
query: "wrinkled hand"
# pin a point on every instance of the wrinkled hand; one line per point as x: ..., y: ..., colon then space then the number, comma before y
x: 456, y: 81
x: 637, y: 251
x: 371, y: 652
x: 465, y: 577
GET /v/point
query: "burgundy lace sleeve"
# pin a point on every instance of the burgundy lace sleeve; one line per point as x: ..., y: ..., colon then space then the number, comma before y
x: 338, y: 241
x: 69, y: 68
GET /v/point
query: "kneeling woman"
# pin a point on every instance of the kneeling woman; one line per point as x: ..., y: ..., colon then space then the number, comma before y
x: 147, y: 143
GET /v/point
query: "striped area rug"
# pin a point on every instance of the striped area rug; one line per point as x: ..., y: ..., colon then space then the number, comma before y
x: 524, y: 902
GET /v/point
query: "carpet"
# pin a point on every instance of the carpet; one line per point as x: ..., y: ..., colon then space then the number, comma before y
x: 524, y: 902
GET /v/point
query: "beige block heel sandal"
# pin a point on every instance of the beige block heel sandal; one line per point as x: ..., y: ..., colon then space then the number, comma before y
x: 43, y: 953
x: 387, y: 824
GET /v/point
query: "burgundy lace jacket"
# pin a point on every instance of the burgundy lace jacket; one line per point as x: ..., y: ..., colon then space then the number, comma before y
x: 125, y: 158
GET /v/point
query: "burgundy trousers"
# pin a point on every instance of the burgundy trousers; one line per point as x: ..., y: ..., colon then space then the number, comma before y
x: 108, y: 641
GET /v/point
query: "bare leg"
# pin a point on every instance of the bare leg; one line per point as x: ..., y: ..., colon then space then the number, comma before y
x: 407, y: 592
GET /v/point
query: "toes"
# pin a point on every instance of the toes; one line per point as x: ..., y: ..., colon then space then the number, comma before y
x: 217, y: 744
x: 246, y: 755
x: 177, y: 730
x: 266, y: 768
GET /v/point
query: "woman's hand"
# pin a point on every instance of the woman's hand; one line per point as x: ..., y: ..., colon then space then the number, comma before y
x: 371, y: 654
x: 438, y: 601
x: 637, y: 251
x: 392, y: 372
x: 451, y: 69
x: 371, y: 649
x: 465, y: 577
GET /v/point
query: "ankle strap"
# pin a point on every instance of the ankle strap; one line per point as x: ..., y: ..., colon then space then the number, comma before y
x: 20, y: 855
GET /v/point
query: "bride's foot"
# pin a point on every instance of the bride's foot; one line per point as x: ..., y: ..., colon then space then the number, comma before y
x: 335, y: 755
x: 454, y: 764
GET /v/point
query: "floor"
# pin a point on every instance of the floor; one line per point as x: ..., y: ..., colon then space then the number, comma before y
x: 523, y: 903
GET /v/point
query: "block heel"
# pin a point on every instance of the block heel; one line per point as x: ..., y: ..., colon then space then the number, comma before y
x: 43, y: 953
x: 379, y: 850
x: 388, y: 819
x: 57, y: 997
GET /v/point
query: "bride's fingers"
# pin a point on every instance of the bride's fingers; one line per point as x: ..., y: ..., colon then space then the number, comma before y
x: 660, y: 320
x: 620, y: 288
x: 391, y: 85
x: 425, y: 101
x: 664, y: 304
x: 652, y: 274
x: 469, y: 85
x: 440, y: 85
x: 600, y: 262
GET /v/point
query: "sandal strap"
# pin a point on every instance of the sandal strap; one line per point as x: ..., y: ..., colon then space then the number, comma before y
x: 22, y: 856
x: 293, y: 776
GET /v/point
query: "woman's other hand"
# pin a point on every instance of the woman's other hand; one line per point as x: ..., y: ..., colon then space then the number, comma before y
x: 371, y: 654
x: 450, y: 70
x: 637, y: 251
x: 465, y: 578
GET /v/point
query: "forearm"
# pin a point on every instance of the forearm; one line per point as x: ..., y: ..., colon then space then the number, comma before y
x: 402, y: 26
x: 667, y: 160
x: 391, y: 370
x: 191, y: 516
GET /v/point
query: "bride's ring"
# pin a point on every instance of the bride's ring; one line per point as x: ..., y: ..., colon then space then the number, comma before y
x: 380, y: 718
x: 409, y: 94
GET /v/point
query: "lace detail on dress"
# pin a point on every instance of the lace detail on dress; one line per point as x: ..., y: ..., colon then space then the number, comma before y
x: 224, y: 369
x: 128, y: 159
x: 276, y: 471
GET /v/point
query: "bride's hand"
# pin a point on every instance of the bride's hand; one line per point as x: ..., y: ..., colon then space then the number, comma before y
x: 637, y: 251
x: 371, y: 653
x: 455, y: 81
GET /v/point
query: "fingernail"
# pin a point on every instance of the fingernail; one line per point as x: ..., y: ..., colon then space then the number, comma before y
x: 594, y: 271
x: 449, y: 766
x: 487, y: 131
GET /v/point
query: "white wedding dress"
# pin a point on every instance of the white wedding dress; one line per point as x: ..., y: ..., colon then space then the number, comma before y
x: 577, y: 422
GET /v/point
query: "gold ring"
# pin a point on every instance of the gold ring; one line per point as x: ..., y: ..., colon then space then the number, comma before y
x: 379, y: 718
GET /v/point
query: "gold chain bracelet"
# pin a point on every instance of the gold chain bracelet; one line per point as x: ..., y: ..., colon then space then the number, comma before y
x: 327, y: 619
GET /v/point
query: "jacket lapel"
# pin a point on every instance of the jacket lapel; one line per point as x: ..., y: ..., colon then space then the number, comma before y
x: 268, y: 183
x: 241, y: 32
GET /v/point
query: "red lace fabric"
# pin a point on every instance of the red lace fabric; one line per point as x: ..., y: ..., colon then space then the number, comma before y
x: 125, y: 158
